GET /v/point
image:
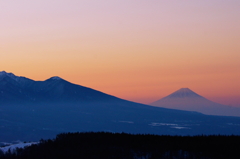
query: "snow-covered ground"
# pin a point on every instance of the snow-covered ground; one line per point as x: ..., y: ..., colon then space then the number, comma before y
x: 18, y: 145
x: 171, y: 125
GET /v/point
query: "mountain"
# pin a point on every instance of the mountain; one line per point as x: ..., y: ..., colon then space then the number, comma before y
x: 186, y: 99
x: 15, y: 89
x: 31, y: 110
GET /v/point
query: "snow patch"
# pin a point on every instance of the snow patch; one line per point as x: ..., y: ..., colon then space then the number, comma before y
x: 129, y: 122
x: 171, y: 125
x: 13, y: 147
x: 163, y: 124
x: 180, y: 127
x: 233, y: 124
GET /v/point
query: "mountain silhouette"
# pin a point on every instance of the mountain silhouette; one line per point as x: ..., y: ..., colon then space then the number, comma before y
x: 33, y: 110
x: 186, y: 99
x: 15, y: 89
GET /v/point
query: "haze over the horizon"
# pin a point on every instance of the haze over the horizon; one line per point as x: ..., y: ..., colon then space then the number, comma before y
x: 136, y: 50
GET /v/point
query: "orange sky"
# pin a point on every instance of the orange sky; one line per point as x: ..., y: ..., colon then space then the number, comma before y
x: 136, y: 50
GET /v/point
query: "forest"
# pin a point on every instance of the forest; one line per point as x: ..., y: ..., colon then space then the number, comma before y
x: 106, y: 145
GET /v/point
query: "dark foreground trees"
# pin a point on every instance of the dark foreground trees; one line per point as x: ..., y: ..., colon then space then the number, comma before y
x: 126, y: 146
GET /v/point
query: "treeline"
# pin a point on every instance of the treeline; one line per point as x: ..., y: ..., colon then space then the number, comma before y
x: 103, y: 145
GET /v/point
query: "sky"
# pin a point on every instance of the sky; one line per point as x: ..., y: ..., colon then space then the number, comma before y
x: 139, y: 50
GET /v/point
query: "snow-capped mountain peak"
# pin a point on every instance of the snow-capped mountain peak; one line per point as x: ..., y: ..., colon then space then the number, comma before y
x: 185, y: 90
x: 183, y: 93
x: 56, y: 78
x: 5, y: 74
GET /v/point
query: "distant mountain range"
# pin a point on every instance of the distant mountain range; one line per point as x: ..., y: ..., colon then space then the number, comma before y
x: 186, y: 99
x: 31, y: 110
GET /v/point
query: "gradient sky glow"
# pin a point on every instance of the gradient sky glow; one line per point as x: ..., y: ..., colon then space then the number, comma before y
x: 139, y: 50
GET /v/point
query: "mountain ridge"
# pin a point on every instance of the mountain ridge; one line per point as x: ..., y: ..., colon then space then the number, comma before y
x: 52, y: 89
